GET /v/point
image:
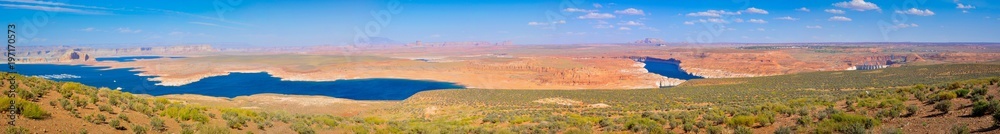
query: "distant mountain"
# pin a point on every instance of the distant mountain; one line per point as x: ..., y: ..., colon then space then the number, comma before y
x: 650, y: 41
x: 380, y: 41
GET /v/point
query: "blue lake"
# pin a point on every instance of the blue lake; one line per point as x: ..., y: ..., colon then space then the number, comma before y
x: 669, y: 68
x: 130, y: 58
x: 235, y: 84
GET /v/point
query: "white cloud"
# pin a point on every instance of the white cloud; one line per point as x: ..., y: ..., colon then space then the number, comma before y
x: 624, y: 28
x: 814, y: 27
x: 761, y: 29
x: 753, y: 10
x: 712, y: 13
x: 578, y: 10
x: 834, y: 11
x: 630, y: 11
x: 630, y: 23
x: 804, y: 9
x: 714, y: 20
x: 857, y: 5
x: 839, y: 18
x: 915, y: 11
x: 597, y: 16
x: 787, y: 18
x: 758, y: 21
x: 738, y: 20
x: 597, y: 5
x: 904, y: 25
x: 962, y: 6
x: 89, y: 29
x: 52, y: 9
x: 537, y: 23
x: 689, y: 23
x: 52, y: 4
x: 128, y: 30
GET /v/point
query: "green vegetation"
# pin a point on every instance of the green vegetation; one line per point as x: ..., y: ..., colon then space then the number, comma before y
x: 943, y: 106
x: 738, y: 105
x: 16, y: 130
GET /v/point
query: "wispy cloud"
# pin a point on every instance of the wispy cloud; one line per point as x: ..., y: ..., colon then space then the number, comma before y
x: 758, y: 21
x: 804, y: 9
x: 834, y: 11
x: 839, y: 18
x: 858, y: 5
x: 53, y: 9
x: 49, y: 3
x: 630, y: 11
x: 753, y: 10
x: 787, y: 18
x: 915, y: 11
x: 128, y: 30
x: 597, y: 16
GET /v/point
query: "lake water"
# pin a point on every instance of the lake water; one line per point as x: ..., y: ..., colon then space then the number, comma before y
x: 130, y: 58
x: 235, y: 84
x: 669, y: 68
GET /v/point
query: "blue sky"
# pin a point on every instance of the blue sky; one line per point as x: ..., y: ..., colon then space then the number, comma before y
x: 345, y: 22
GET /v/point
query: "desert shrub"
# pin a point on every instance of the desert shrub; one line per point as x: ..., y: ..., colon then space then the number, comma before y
x: 844, y: 118
x: 206, y: 129
x: 33, y: 111
x: 943, y: 106
x: 714, y: 130
x: 803, y: 112
x: 921, y: 96
x: 744, y: 120
x: 16, y: 130
x: 185, y: 113
x: 946, y: 96
x: 688, y: 127
x: 960, y: 129
x: 742, y: 130
x: 979, y: 91
x: 891, y: 130
x: 981, y: 107
x: 105, y: 108
x: 784, y: 130
x: 912, y: 110
x: 374, y: 120
x: 28, y: 109
x: 325, y: 120
x: 157, y: 124
x: 123, y: 117
x: 996, y: 118
x: 138, y: 129
x: 804, y: 121
x: 962, y: 92
x: 303, y: 128
x: 636, y: 124
x: 116, y: 124
x: 853, y: 128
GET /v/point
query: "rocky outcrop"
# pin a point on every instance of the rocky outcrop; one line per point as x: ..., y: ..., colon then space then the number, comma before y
x: 74, y: 56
